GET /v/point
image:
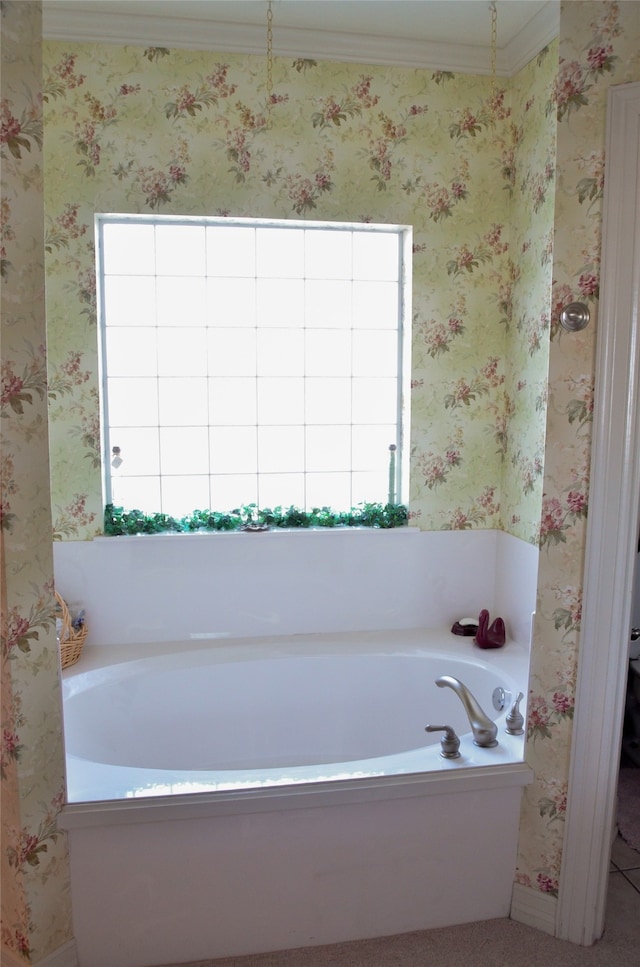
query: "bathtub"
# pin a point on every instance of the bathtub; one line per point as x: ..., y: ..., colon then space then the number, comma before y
x: 322, y: 812
x: 207, y: 716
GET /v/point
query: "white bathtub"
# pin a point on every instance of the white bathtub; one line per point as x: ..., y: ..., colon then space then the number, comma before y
x: 232, y: 714
x: 324, y: 810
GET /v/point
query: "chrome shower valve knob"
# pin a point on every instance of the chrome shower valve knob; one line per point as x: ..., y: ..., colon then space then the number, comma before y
x: 515, y: 718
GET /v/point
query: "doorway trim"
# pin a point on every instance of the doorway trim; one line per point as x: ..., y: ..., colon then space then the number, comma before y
x: 612, y: 539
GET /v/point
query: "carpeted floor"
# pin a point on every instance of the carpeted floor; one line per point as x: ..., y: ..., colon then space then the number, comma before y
x: 496, y: 943
x: 499, y: 943
x: 629, y: 806
x: 492, y: 943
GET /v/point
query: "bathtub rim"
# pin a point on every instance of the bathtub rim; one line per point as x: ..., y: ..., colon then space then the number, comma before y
x: 429, y: 641
x: 358, y: 641
x: 205, y: 805
x: 309, y: 794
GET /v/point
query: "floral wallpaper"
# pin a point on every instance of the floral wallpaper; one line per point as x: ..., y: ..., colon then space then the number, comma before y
x: 346, y: 142
x: 599, y: 46
x: 527, y: 158
x: 36, y: 911
x: 190, y: 132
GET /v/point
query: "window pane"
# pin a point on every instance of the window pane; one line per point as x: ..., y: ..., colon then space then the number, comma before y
x: 280, y: 400
x: 137, y: 493
x: 180, y: 250
x: 232, y: 491
x: 231, y: 302
x: 129, y: 249
x: 371, y: 446
x: 281, y: 449
x: 181, y: 302
x: 374, y: 400
x: 236, y: 357
x: 139, y: 451
x: 328, y: 305
x: 328, y: 400
x: 183, y: 402
x: 328, y: 254
x: 182, y: 352
x: 232, y: 352
x: 184, y: 450
x: 328, y: 448
x: 280, y: 352
x: 131, y: 351
x: 231, y: 250
x: 280, y: 303
x: 233, y: 401
x: 369, y: 487
x: 281, y: 490
x: 375, y: 353
x: 327, y: 352
x: 183, y: 495
x: 234, y: 449
x: 375, y: 255
x: 329, y: 490
x: 280, y: 253
x: 133, y: 402
x: 130, y: 300
x: 375, y: 305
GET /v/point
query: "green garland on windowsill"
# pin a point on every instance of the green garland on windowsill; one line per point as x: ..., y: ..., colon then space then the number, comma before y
x: 118, y: 522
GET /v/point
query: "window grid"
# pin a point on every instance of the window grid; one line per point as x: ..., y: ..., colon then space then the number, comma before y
x: 272, y: 389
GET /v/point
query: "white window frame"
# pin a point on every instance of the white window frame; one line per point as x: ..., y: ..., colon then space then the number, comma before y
x: 404, y: 285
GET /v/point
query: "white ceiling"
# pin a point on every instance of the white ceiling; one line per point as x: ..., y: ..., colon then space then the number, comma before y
x: 453, y: 34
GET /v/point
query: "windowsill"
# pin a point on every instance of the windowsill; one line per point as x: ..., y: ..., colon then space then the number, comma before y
x: 272, y: 533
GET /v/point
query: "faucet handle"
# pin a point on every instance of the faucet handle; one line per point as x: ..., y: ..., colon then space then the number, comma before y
x: 515, y: 718
x: 450, y: 743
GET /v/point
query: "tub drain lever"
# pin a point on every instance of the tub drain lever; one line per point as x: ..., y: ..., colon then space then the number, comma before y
x: 450, y: 743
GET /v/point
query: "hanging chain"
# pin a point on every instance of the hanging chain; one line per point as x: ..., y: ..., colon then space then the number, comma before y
x: 269, y: 62
x: 494, y: 45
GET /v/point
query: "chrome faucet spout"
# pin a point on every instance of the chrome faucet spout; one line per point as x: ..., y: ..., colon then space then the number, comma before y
x: 484, y: 730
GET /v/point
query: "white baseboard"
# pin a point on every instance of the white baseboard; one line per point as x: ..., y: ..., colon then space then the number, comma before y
x: 534, y: 908
x: 65, y: 956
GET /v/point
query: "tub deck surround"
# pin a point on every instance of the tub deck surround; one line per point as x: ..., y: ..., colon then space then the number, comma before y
x: 192, y: 879
x: 213, y: 716
x: 168, y: 587
x: 182, y: 890
x: 289, y: 855
x: 232, y: 871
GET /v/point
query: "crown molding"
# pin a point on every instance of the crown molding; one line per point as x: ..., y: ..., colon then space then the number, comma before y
x: 84, y: 25
x: 541, y: 30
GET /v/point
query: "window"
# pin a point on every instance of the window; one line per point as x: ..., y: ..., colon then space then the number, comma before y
x: 251, y: 362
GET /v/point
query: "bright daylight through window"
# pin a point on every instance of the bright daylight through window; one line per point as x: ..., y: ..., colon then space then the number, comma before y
x: 251, y: 362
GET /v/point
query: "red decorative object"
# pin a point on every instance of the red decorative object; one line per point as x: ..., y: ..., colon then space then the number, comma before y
x: 490, y: 636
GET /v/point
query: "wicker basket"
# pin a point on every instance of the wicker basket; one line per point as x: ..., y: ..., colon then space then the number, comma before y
x: 71, y: 640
